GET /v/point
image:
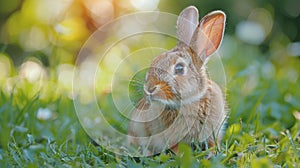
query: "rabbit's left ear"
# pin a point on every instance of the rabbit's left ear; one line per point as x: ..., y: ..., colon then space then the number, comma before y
x: 209, y: 34
x: 187, y: 23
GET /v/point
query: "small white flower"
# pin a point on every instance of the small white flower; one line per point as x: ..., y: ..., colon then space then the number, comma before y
x: 44, y: 114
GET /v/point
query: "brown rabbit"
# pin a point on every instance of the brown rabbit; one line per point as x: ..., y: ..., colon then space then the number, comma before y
x: 181, y: 104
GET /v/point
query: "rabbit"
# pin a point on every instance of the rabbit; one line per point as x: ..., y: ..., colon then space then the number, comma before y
x: 180, y: 103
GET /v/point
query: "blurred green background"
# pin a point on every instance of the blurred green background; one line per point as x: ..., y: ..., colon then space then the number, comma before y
x: 40, y: 40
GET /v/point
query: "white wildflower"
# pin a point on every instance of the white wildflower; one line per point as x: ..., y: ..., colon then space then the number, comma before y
x: 44, y: 114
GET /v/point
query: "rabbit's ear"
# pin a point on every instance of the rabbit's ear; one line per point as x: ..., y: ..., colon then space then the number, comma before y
x: 187, y: 23
x: 209, y: 34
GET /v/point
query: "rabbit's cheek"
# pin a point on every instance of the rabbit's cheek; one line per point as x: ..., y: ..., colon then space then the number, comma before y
x: 185, y: 85
x: 168, y: 94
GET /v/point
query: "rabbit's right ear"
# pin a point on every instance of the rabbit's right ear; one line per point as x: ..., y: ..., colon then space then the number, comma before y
x: 208, y: 35
x: 187, y: 23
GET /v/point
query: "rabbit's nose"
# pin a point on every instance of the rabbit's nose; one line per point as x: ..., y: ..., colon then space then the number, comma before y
x: 150, y: 90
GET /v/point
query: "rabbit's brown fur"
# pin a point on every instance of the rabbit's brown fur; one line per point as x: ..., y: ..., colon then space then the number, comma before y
x: 181, y: 104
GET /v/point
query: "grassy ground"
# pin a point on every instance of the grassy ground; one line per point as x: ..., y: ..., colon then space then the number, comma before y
x: 263, y: 96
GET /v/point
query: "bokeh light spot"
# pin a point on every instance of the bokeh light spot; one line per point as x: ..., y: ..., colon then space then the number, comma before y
x: 100, y: 11
x: 34, y: 39
x: 5, y: 66
x: 250, y: 32
x: 292, y: 7
x: 294, y: 49
x: 145, y: 5
x: 32, y: 71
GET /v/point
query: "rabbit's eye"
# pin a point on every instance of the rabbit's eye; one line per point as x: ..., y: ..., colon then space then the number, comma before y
x: 179, y: 69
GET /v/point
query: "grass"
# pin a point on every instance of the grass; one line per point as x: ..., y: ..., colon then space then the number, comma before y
x: 61, y: 142
x: 262, y: 130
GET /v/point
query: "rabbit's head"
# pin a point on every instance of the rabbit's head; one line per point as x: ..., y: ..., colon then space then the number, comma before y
x: 178, y: 76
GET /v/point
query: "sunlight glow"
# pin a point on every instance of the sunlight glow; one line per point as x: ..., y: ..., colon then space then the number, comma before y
x: 101, y: 11
x: 50, y: 11
x: 145, y: 5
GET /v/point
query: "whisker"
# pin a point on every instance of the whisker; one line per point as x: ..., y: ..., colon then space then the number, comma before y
x: 130, y: 108
x: 142, y: 107
x: 138, y: 81
x: 142, y: 82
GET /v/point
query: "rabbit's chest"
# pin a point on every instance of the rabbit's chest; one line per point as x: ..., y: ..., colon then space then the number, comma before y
x: 195, y: 121
x: 190, y: 119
